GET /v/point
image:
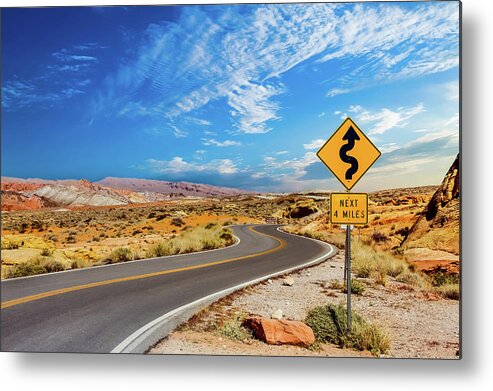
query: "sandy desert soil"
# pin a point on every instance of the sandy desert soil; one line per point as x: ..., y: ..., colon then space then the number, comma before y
x: 420, y: 324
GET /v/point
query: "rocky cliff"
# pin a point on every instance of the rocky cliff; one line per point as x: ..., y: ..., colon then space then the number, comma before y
x: 438, y: 226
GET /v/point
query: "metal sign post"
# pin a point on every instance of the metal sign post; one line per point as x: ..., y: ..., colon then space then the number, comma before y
x: 348, y: 276
x: 348, y: 154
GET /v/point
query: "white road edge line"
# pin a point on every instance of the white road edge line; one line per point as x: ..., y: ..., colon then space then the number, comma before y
x: 135, y: 340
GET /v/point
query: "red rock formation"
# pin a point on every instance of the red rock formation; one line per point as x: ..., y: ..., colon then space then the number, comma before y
x: 12, y: 201
x: 280, y: 332
x: 438, y: 226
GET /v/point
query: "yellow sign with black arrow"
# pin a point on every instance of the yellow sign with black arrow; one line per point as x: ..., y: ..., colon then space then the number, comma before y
x: 348, y: 153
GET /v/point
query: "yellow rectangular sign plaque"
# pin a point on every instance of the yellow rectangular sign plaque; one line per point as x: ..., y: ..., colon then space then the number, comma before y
x: 349, y: 208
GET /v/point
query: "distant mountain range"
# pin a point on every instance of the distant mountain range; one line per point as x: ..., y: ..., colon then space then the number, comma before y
x: 35, y: 193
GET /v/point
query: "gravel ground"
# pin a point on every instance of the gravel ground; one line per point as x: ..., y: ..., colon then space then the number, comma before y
x: 420, y: 325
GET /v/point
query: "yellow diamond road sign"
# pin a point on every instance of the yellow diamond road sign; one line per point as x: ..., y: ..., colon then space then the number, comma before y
x: 348, y: 153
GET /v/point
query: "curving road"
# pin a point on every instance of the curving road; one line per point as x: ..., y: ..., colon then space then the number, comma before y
x: 127, y: 307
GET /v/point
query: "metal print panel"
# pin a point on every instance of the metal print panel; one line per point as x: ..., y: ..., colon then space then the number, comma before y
x: 167, y: 174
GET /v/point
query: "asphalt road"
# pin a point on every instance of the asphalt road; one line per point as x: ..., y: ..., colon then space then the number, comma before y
x: 95, y: 309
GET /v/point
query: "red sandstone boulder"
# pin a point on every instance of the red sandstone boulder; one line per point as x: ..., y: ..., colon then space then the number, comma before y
x: 280, y: 332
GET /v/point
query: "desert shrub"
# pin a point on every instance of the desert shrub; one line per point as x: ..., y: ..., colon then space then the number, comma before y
x: 71, y: 239
x: 338, y: 239
x: 54, y: 266
x: 46, y: 252
x: 413, y: 279
x: 227, y: 236
x: 193, y: 240
x: 53, y: 238
x: 363, y: 270
x: 177, y: 221
x: 356, y: 287
x: 160, y: 249
x: 329, y: 325
x: 449, y: 291
x: 234, y: 330
x: 210, y: 225
x: 23, y: 269
x: 8, y: 245
x: 368, y: 262
x: 35, y: 224
x: 441, y: 277
x: 121, y: 254
x: 37, y: 265
x: 335, y: 284
x: 380, y: 277
x: 77, y: 264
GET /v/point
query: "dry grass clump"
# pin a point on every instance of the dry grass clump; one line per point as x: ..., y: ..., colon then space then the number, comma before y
x: 37, y: 265
x: 449, y: 291
x: 337, y: 239
x: 367, y: 262
x: 201, y: 238
x: 8, y: 245
x: 121, y: 254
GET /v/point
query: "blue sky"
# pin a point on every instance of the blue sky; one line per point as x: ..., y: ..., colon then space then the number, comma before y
x: 238, y: 95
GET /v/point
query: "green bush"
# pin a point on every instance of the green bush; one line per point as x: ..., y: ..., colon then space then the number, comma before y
x: 233, y: 329
x: 441, y: 277
x: 356, y: 287
x: 329, y: 325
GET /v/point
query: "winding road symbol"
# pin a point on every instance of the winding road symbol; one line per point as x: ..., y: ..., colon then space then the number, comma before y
x: 348, y: 153
x: 351, y: 136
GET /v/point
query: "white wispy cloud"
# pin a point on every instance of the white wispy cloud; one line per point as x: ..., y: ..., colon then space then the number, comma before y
x: 385, y: 119
x: 225, y: 143
x: 388, y: 147
x: 67, y: 57
x: 64, y: 76
x: 178, y: 165
x: 178, y: 133
x: 243, y: 66
x: 315, y: 144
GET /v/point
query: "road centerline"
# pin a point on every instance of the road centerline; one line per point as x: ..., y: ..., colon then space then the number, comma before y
x: 26, y: 299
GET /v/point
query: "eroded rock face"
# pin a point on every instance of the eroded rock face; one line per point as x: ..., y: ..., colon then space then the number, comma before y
x: 438, y: 226
x: 280, y: 332
x: 447, y: 193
